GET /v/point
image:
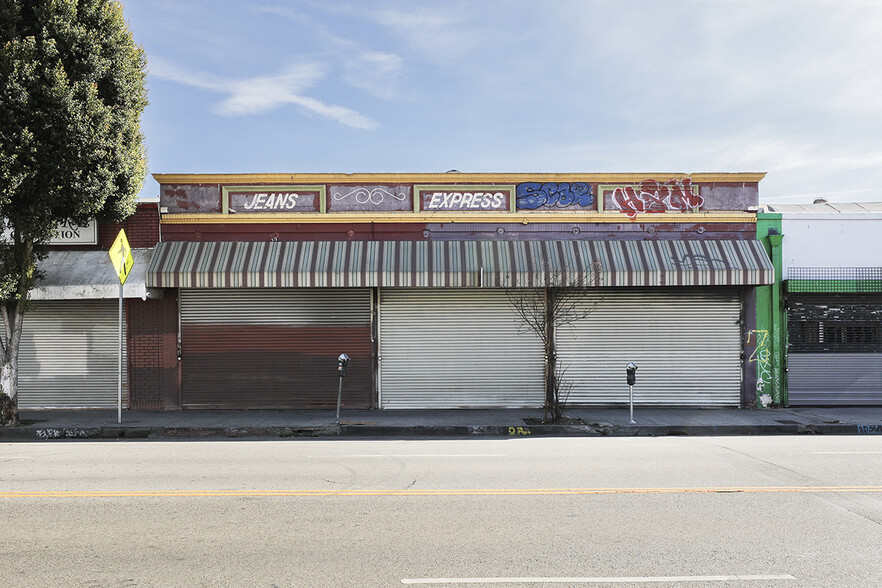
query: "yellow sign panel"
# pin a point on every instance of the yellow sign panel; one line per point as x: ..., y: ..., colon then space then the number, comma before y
x: 121, y: 257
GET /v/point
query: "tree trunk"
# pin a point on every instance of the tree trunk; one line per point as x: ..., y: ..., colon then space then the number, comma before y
x: 553, y: 396
x: 9, y: 377
x: 13, y: 318
x: 554, y: 387
x: 8, y: 395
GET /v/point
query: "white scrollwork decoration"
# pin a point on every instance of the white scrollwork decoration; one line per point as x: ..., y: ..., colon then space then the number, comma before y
x: 364, y: 195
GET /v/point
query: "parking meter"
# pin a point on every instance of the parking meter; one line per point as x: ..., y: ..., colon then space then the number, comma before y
x: 631, y: 369
x: 342, y: 362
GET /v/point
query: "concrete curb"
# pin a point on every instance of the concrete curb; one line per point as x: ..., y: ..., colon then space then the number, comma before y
x: 603, y: 430
x: 427, y: 431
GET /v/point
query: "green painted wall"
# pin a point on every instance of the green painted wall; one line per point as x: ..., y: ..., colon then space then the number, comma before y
x: 765, y: 346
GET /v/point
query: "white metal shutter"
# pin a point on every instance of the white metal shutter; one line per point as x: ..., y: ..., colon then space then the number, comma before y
x: 686, y: 344
x: 70, y: 355
x: 834, y: 379
x: 456, y: 348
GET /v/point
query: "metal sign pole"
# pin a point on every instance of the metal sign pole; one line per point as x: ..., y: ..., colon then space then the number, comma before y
x: 122, y: 260
x: 119, y: 382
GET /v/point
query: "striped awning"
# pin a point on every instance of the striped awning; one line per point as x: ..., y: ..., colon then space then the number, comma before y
x: 471, y: 264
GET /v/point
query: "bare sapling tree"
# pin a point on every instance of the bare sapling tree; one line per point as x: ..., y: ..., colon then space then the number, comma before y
x: 560, y: 301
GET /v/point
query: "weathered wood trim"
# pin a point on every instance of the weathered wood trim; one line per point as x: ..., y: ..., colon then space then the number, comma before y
x: 452, y: 178
x: 458, y: 217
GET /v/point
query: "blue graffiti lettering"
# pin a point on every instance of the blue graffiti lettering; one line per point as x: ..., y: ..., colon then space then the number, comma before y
x: 533, y: 195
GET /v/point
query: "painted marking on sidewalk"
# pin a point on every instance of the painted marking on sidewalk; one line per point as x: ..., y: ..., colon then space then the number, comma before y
x: 450, y: 492
x: 600, y: 580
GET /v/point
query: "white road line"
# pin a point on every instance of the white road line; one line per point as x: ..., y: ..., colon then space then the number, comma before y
x: 847, y: 452
x: 426, y: 455
x: 597, y: 580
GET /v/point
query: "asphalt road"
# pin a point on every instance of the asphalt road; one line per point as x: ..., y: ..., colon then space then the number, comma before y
x: 721, y: 511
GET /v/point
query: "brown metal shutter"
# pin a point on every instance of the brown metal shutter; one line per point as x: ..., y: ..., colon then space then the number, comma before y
x: 274, y: 348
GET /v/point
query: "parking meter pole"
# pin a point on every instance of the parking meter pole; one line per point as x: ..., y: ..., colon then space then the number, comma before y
x: 631, y: 402
x: 339, y: 397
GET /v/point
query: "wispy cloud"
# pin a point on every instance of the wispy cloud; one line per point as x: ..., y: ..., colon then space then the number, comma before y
x: 377, y: 73
x: 263, y: 94
x: 442, y: 35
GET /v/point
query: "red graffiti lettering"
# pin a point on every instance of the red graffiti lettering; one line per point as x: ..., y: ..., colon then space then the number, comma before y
x: 656, y: 198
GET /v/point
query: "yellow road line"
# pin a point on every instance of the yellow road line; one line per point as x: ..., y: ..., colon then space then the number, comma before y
x: 438, y: 492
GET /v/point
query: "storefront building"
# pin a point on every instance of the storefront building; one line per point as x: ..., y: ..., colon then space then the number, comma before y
x: 69, y: 355
x: 414, y: 276
x: 832, y: 295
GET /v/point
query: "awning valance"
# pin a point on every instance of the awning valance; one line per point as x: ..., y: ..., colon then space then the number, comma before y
x: 238, y: 264
x: 89, y: 275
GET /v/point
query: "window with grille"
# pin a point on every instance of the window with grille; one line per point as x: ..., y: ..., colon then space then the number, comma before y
x: 835, y: 326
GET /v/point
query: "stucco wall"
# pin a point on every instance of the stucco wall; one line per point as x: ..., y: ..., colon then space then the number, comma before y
x: 831, y: 240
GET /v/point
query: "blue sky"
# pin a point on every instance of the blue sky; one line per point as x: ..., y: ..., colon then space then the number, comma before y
x: 789, y: 87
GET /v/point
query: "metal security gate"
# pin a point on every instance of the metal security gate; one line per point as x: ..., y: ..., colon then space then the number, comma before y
x: 275, y: 347
x: 70, y: 355
x: 456, y: 348
x: 685, y: 342
x: 834, y: 350
x: 834, y: 379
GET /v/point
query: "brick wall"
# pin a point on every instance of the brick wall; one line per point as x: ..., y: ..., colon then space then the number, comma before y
x: 142, y: 228
x: 152, y: 353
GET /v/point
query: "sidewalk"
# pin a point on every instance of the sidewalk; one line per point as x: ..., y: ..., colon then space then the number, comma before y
x: 613, y: 422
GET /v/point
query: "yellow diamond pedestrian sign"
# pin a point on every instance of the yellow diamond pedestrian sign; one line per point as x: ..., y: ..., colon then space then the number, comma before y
x: 121, y: 256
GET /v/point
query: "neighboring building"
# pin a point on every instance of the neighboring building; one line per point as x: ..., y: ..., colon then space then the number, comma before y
x: 69, y: 355
x: 267, y: 278
x: 832, y: 279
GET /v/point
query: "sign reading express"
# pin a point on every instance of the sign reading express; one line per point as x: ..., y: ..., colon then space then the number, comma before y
x: 465, y: 198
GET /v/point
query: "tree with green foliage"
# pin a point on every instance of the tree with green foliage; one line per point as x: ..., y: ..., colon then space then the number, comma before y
x: 72, y: 90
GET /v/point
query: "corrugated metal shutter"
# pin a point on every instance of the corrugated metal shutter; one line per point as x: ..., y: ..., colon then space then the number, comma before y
x: 686, y: 344
x: 70, y: 355
x: 459, y: 348
x: 275, y: 347
x: 834, y: 345
x: 834, y: 379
